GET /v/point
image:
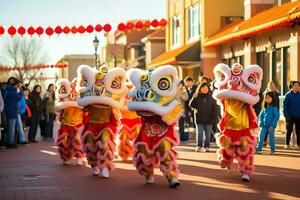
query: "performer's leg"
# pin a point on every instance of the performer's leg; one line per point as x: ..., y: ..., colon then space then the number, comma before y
x: 124, y: 146
x: 168, y: 165
x: 64, y: 145
x: 144, y: 163
x: 245, y: 156
x: 105, y: 154
x: 77, y: 150
x: 225, y: 152
x: 91, y: 149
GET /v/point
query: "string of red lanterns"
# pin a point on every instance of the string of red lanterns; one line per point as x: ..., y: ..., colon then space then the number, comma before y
x: 130, y: 25
x: 26, y: 68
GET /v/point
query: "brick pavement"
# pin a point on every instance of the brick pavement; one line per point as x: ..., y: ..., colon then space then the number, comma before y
x: 34, y: 171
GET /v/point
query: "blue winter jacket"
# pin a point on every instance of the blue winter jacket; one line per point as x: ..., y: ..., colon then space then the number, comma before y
x: 22, y: 106
x: 269, y: 117
x: 291, y: 105
x: 12, y: 98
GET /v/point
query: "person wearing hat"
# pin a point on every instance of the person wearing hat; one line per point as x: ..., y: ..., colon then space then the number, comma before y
x: 12, y: 96
x: 291, y: 111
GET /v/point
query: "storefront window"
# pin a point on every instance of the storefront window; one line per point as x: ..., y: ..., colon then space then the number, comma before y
x: 194, y: 22
x: 263, y: 61
x: 176, y: 31
x: 281, y: 68
x: 231, y: 61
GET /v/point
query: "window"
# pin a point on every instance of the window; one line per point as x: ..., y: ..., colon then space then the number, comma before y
x: 231, y: 61
x: 176, y: 31
x: 194, y: 22
x: 263, y: 61
x: 281, y: 68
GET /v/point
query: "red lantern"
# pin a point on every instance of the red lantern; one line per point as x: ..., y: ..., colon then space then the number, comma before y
x: 98, y: 28
x: 107, y: 27
x: 66, y: 30
x: 129, y: 25
x: 89, y: 29
x: 139, y: 25
x: 1, y: 30
x: 74, y: 29
x: 21, y: 30
x: 163, y: 22
x: 81, y: 29
x: 31, y: 30
x: 155, y: 23
x: 12, y: 30
x: 121, y: 27
x: 58, y: 30
x: 147, y: 24
x: 39, y: 30
x: 49, y: 31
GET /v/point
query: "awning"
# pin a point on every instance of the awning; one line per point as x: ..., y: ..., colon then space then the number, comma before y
x: 284, y: 15
x: 187, y: 53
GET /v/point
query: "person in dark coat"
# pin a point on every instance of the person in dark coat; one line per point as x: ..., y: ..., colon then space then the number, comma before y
x: 206, y: 114
x: 12, y: 96
x: 190, y: 89
x: 36, y: 111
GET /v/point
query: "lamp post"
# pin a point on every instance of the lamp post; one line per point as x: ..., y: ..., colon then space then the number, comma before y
x: 96, y: 43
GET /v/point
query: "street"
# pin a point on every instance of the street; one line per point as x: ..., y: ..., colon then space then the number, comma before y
x: 35, y: 171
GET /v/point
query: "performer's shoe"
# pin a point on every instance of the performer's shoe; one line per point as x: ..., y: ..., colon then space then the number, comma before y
x: 104, y: 173
x: 79, y: 162
x: 95, y: 171
x: 245, y: 177
x: 286, y: 147
x: 197, y: 149
x: 150, y: 179
x: 173, y: 183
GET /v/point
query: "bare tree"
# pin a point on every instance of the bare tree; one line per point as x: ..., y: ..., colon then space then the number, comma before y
x: 23, y: 52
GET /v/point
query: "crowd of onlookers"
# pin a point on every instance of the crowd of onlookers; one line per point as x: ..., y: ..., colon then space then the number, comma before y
x: 23, y: 111
x: 202, y: 112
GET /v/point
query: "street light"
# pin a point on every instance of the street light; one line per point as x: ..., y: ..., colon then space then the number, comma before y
x: 96, y: 43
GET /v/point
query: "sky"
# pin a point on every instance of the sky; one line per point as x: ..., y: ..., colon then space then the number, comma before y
x: 74, y: 12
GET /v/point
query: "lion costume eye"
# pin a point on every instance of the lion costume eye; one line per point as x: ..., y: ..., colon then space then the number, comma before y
x: 252, y: 79
x: 164, y: 83
x: 62, y: 90
x: 145, y: 78
x: 115, y: 84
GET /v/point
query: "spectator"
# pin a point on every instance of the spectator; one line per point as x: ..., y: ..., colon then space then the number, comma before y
x: 49, y: 98
x: 190, y: 89
x: 206, y: 114
x: 183, y: 96
x: 268, y: 119
x: 3, y: 117
x: 36, y: 110
x: 27, y: 115
x: 271, y: 87
x: 19, y: 125
x: 291, y: 110
x: 12, y: 96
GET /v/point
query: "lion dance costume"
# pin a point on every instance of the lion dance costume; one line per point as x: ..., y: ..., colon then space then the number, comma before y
x: 155, y: 100
x: 71, y: 117
x: 237, y: 90
x: 131, y: 125
x: 102, y: 95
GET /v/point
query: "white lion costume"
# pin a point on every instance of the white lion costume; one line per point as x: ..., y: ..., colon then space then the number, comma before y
x: 237, y: 90
x: 71, y: 117
x: 102, y: 95
x: 155, y: 100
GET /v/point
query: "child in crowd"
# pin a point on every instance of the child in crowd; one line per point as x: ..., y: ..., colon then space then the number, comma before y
x: 268, y: 119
